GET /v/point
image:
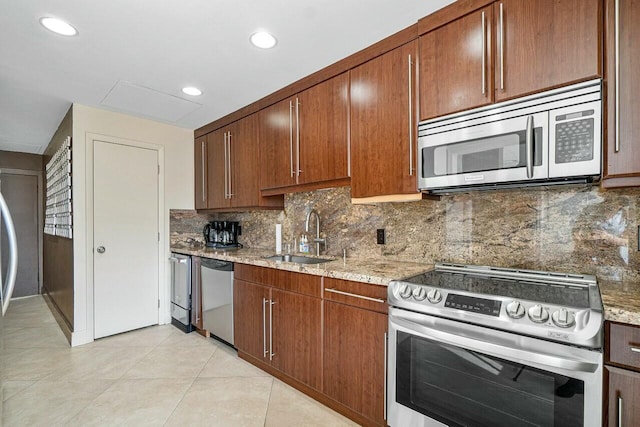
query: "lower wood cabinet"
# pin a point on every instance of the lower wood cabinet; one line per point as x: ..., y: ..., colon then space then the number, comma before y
x: 354, y: 348
x: 622, y: 375
x: 623, y: 407
x: 278, y: 327
x: 326, y: 337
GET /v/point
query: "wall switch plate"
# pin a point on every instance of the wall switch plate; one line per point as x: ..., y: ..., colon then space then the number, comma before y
x: 380, y: 236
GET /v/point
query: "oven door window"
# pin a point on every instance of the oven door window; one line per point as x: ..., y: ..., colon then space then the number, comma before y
x: 496, y: 152
x: 459, y: 387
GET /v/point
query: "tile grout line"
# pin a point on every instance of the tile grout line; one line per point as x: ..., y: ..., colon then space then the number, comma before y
x: 268, y: 402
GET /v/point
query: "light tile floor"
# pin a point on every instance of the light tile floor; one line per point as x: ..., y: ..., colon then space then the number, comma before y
x: 156, y: 376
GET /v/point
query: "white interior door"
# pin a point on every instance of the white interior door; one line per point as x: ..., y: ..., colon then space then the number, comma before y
x: 125, y: 237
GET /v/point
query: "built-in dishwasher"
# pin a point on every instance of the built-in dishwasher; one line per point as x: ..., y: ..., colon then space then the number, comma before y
x: 217, y: 298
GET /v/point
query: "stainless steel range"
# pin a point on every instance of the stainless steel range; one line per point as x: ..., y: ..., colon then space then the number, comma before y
x: 485, y: 346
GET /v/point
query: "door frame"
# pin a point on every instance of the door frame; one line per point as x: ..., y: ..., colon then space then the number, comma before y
x: 163, y: 290
x: 40, y: 225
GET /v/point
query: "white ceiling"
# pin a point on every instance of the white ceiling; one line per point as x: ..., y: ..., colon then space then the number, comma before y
x: 135, y: 56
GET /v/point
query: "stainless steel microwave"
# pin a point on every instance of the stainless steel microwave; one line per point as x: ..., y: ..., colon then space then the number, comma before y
x: 547, y: 138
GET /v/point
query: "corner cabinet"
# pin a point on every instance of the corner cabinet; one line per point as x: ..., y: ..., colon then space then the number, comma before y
x: 539, y: 45
x: 384, y: 124
x: 622, y: 375
x: 304, y: 139
x: 622, y: 129
x: 227, y: 169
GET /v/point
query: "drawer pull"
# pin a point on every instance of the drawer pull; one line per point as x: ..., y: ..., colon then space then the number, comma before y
x: 635, y: 349
x: 335, y: 291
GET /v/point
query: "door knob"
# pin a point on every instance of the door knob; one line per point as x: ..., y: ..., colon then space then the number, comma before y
x: 100, y: 249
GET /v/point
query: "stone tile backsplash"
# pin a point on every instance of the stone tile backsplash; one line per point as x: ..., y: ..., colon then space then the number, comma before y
x: 575, y: 229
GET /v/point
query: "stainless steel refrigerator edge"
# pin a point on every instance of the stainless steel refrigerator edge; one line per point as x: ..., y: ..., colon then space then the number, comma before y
x: 181, y: 292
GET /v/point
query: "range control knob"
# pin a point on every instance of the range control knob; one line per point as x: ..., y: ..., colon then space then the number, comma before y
x: 515, y: 309
x: 419, y: 293
x: 538, y: 314
x: 434, y: 296
x: 406, y: 291
x: 563, y: 318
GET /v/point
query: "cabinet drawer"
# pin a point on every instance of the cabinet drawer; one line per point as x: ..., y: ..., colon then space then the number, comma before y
x: 363, y: 295
x: 623, y: 345
x: 299, y: 283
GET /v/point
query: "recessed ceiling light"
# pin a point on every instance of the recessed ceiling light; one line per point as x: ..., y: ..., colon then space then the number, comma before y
x: 193, y: 91
x: 263, y: 40
x: 58, y: 26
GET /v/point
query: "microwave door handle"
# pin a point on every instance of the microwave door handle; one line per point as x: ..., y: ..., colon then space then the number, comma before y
x: 529, y: 146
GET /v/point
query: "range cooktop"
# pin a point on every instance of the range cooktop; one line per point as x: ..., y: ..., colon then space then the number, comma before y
x: 555, y: 306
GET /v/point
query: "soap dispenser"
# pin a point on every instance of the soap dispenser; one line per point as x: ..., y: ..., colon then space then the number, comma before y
x: 304, y: 244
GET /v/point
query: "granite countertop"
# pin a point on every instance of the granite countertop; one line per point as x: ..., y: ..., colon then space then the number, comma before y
x: 621, y: 299
x: 374, y: 271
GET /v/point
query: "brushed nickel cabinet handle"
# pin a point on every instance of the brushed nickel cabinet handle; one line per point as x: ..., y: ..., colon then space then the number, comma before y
x: 204, y: 188
x: 617, y: 65
x: 484, y: 54
x: 502, y: 46
x: 619, y: 411
x: 349, y: 294
x: 291, y: 137
x: 271, y: 353
x: 297, y: 140
x: 410, y: 117
x: 229, y: 164
x: 226, y: 180
x: 635, y: 349
x: 264, y: 327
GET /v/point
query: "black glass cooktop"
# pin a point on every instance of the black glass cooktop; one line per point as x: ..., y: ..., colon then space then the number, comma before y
x: 550, y: 293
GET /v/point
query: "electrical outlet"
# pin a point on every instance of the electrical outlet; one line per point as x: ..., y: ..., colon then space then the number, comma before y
x: 380, y: 236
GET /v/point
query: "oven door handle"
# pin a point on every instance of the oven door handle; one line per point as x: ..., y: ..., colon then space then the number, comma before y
x: 447, y: 334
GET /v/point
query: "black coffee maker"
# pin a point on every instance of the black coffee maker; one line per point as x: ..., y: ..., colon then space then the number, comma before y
x: 222, y: 234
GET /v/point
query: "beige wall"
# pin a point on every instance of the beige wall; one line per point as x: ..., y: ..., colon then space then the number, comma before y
x: 176, y: 146
x: 23, y: 161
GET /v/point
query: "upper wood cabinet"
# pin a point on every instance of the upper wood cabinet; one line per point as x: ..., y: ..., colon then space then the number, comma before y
x: 232, y: 168
x: 455, y: 65
x: 539, y: 45
x: 542, y: 44
x: 200, y: 169
x: 622, y: 128
x: 304, y: 139
x: 383, y: 124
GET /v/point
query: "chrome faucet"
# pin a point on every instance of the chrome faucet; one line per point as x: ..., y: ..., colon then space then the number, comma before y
x: 317, y: 240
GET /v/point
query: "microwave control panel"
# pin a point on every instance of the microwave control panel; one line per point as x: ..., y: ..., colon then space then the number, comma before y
x: 575, y: 135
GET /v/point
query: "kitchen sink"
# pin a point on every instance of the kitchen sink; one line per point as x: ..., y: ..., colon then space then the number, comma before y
x: 298, y: 259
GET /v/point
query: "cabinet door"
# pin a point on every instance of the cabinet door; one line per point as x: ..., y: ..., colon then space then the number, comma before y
x: 322, y: 119
x: 383, y: 125
x: 354, y: 349
x: 251, y: 318
x: 622, y: 155
x: 297, y: 336
x: 244, y: 162
x: 623, y: 408
x: 455, y: 69
x: 547, y: 43
x: 200, y: 169
x: 277, y: 155
x: 217, y: 167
